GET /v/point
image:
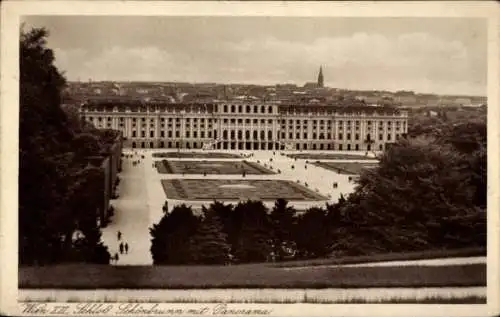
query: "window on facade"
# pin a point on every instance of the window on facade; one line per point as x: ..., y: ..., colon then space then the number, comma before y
x: 169, y: 134
x: 270, y: 121
x: 240, y: 121
x: 210, y: 134
x: 224, y: 134
x: 262, y: 109
x: 255, y: 109
x: 380, y: 137
x: 297, y: 135
x: 270, y: 135
x: 348, y: 136
x: 356, y: 137
x: 262, y: 121
x: 283, y: 135
x: 162, y: 134
x: 143, y: 134
x: 270, y: 109
x: 314, y: 135
x: 225, y: 108
x: 240, y: 134
x: 195, y: 134
x: 247, y: 121
x: 177, y: 134
x: 290, y: 135
x: 232, y: 134
x: 187, y: 134
x: 341, y: 136
x: 262, y: 135
x: 255, y: 135
x: 202, y: 134
x: 239, y: 109
x: 388, y: 137
x: 305, y: 135
x: 134, y: 134
x: 248, y: 109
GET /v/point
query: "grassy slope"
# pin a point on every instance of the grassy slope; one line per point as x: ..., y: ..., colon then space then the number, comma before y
x: 402, y: 256
x: 246, y: 276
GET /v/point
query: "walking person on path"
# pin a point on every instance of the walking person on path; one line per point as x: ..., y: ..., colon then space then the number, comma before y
x: 121, y: 247
x: 126, y: 248
x: 116, y: 257
x: 119, y: 235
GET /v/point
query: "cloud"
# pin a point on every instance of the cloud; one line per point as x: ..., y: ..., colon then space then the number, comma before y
x: 365, y: 61
x: 417, y: 61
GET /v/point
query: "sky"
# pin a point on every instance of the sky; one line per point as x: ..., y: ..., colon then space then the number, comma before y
x: 427, y: 55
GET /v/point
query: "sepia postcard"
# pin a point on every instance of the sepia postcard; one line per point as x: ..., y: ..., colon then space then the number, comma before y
x: 249, y: 158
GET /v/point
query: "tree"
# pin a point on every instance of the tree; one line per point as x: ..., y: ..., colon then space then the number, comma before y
x: 417, y: 199
x: 209, y: 245
x: 170, y: 237
x: 253, y: 231
x: 311, y: 233
x: 282, y: 219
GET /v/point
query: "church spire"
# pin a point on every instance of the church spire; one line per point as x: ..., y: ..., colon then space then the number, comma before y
x: 320, y: 77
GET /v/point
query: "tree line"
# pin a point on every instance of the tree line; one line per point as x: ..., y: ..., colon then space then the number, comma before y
x: 57, y: 197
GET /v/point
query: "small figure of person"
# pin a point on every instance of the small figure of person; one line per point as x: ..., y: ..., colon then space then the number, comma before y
x: 119, y: 235
x: 121, y: 247
x: 126, y: 248
x: 116, y: 257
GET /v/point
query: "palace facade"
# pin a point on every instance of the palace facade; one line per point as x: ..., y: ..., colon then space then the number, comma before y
x: 242, y: 125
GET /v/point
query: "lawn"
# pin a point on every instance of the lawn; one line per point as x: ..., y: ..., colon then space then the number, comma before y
x: 198, y: 155
x: 329, y: 156
x: 87, y: 276
x: 215, y: 189
x: 345, y: 168
x: 211, y: 167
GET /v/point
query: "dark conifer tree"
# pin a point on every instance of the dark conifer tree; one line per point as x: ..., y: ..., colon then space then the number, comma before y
x: 209, y: 244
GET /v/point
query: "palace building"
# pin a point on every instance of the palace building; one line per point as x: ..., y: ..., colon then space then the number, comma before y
x: 247, y: 125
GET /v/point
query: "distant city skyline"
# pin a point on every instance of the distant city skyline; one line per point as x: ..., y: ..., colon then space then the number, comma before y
x: 425, y: 55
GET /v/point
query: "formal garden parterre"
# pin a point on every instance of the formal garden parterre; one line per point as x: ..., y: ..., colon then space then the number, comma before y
x: 210, y: 189
x: 354, y: 168
x: 328, y: 156
x: 211, y: 167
